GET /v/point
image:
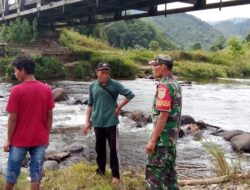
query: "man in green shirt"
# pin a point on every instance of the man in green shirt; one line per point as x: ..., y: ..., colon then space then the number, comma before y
x: 102, y: 113
x: 161, y: 148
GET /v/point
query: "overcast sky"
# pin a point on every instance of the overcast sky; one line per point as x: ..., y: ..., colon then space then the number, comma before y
x: 242, y: 11
x: 225, y: 13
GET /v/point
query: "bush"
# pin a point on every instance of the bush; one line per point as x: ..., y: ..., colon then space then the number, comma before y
x: 235, y: 47
x: 19, y: 31
x: 49, y: 68
x: 141, y: 56
x: 189, y: 56
x: 81, y: 70
x: 46, y: 68
x: 154, y: 45
x: 74, y: 40
x: 11, y: 52
x: 92, y: 51
x: 199, y: 70
x: 217, y: 58
x: 6, y: 68
x: 122, y: 67
x: 4, y: 62
x: 246, y: 70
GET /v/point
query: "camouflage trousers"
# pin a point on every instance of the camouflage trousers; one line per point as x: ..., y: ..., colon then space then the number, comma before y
x: 160, y: 169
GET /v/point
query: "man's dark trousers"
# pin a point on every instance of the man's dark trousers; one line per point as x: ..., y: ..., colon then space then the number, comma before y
x: 102, y: 134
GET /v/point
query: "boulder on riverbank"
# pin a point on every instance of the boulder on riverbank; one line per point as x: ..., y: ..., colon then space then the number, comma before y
x: 50, y: 165
x: 241, y: 143
x: 228, y: 135
x: 60, y: 156
x: 240, y: 140
x: 59, y: 95
x: 187, y: 119
x: 191, y: 127
x: 141, y: 118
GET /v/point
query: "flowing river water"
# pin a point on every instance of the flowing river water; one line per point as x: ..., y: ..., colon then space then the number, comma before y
x: 222, y: 104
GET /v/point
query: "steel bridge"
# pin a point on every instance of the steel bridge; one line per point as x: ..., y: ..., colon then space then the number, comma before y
x: 62, y: 13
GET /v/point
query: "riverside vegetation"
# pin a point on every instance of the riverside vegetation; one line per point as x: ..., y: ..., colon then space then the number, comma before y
x: 231, y: 59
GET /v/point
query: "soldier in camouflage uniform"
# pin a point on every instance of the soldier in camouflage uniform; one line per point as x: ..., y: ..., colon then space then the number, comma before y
x: 161, y: 148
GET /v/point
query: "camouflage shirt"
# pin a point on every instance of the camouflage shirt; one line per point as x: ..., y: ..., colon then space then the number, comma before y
x: 168, y: 98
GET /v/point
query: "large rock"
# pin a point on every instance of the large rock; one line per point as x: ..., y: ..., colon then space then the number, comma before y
x: 50, y: 165
x: 201, y: 124
x: 60, y: 156
x: 187, y: 119
x: 74, y: 149
x: 191, y: 129
x: 140, y: 117
x: 72, y: 160
x: 80, y: 102
x: 241, y: 143
x: 227, y: 135
x: 59, y: 94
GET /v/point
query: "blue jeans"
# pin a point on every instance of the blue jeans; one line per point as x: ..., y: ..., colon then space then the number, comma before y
x: 16, y: 157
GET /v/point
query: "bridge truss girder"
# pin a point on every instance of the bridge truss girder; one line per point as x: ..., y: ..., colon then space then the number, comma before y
x: 62, y: 13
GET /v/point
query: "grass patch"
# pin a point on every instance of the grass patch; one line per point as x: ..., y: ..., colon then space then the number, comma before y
x: 92, y: 51
x: 218, y: 160
x: 141, y: 56
x: 76, y: 40
x: 190, y: 69
x: 81, y: 176
x: 122, y: 67
x: 221, y: 166
x: 216, y: 58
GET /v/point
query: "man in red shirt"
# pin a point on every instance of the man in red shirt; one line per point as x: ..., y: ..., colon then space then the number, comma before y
x: 30, y: 120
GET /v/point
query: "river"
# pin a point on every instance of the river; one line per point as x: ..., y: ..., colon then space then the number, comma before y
x: 224, y: 104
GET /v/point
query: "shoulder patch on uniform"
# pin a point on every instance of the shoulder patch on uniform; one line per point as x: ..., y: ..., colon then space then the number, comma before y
x: 163, y: 101
x: 161, y: 92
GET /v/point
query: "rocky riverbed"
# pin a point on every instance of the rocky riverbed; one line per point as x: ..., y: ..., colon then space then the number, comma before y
x: 212, y: 103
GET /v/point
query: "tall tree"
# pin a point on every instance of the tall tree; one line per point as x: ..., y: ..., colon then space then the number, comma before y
x: 135, y: 33
x: 235, y: 47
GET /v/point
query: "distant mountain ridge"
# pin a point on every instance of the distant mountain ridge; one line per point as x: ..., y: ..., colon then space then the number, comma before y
x: 233, y: 27
x: 186, y: 30
x: 235, y: 20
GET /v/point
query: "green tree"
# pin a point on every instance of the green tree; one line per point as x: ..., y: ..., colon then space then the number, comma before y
x: 34, y: 30
x: 25, y: 35
x: 15, y: 30
x: 19, y: 31
x: 235, y: 47
x: 196, y: 46
x: 248, y: 37
x: 95, y: 30
x: 219, y: 44
x: 127, y: 34
x: 154, y: 45
x: 4, y: 32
